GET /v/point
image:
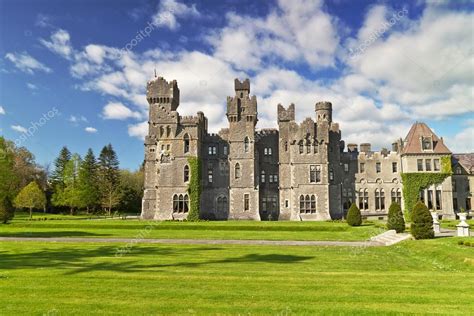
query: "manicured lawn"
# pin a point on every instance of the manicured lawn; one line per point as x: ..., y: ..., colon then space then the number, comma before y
x: 451, y: 224
x: 21, y: 227
x: 414, y: 277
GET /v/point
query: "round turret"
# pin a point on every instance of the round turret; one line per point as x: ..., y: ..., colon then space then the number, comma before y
x: 324, y: 111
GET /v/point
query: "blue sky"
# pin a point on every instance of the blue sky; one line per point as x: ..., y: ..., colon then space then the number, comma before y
x: 75, y: 74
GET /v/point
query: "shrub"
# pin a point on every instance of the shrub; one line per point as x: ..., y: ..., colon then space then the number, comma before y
x: 467, y: 243
x: 6, y: 210
x: 460, y: 242
x: 422, y: 222
x: 353, y: 216
x: 395, y: 218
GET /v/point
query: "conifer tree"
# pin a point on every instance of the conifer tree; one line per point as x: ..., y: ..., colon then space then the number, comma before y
x: 422, y: 222
x: 109, y: 178
x: 354, y: 217
x: 89, y: 194
x: 395, y: 218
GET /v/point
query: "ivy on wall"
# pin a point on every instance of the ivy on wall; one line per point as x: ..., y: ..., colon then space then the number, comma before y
x: 413, y: 182
x: 194, y: 188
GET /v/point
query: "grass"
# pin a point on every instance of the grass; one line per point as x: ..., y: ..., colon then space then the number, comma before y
x: 21, y: 227
x: 451, y: 224
x: 413, y: 277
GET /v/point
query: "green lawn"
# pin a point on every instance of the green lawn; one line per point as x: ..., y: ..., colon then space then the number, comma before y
x: 414, y: 277
x: 21, y: 227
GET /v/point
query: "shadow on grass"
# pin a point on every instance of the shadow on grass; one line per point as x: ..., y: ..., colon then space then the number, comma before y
x: 51, y: 234
x: 76, y: 260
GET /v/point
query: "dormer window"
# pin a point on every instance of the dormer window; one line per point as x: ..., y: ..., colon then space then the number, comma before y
x: 427, y: 143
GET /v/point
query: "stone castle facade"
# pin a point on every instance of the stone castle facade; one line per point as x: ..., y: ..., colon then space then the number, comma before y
x: 300, y: 171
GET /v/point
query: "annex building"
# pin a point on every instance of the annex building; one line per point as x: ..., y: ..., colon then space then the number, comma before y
x: 300, y: 171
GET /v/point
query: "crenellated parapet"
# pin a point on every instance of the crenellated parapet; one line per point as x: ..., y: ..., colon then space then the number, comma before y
x: 286, y: 115
x: 160, y: 91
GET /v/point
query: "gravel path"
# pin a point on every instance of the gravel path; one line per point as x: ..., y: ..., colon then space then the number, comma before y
x: 198, y: 241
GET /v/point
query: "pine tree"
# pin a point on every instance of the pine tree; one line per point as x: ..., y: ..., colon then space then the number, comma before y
x: 57, y: 176
x: 354, y: 217
x: 31, y: 197
x: 422, y: 222
x: 67, y: 194
x: 87, y: 182
x: 109, y: 178
x: 395, y: 218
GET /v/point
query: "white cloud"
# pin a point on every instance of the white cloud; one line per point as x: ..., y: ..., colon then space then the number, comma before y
x: 2, y: 110
x: 31, y: 86
x: 77, y: 119
x: 462, y: 142
x: 59, y: 43
x: 139, y: 130
x: 118, y: 111
x: 26, y: 63
x: 170, y: 10
x: 19, y: 128
x: 91, y: 130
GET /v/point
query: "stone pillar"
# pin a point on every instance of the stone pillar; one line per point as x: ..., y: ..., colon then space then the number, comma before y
x: 463, y: 227
x: 436, y: 225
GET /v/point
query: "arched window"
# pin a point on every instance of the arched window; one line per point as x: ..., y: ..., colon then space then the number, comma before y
x: 399, y: 197
x: 308, y: 204
x: 382, y: 199
x: 262, y: 176
x: 186, y: 204
x: 315, y: 147
x: 168, y: 131
x: 186, y: 173
x: 302, y: 205
x: 363, y: 199
x: 162, y: 131
x: 222, y: 204
x: 377, y: 199
x: 175, y: 203
x: 313, y: 204
x: 181, y: 203
x: 237, y: 171
x: 186, y: 143
x: 286, y: 146
x: 308, y: 147
x: 246, y: 144
x: 301, y: 146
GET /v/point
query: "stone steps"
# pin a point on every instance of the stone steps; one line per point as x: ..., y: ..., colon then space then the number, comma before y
x: 390, y: 237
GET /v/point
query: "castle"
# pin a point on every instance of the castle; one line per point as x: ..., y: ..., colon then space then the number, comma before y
x: 300, y: 171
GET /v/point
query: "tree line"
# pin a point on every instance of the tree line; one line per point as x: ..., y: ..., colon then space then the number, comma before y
x: 75, y: 184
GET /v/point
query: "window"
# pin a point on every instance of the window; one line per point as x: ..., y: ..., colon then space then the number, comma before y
x: 428, y: 164
x: 420, y: 164
x: 454, y: 186
x: 394, y: 167
x: 226, y: 150
x: 222, y: 203
x: 162, y: 131
x: 436, y: 164
x: 397, y: 196
x: 363, y: 199
x: 314, y: 174
x: 315, y: 147
x: 180, y: 203
x: 237, y: 171
x: 422, y: 196
x: 212, y: 150
x: 346, y: 167
x: 362, y: 167
x: 307, y: 204
x: 246, y: 144
x: 210, y: 174
x: 331, y: 174
x: 168, y: 131
x: 301, y: 146
x: 430, y: 199
x: 458, y: 170
x: 152, y: 150
x: 267, y: 151
x: 468, y: 187
x: 168, y: 147
x: 270, y: 178
x: 275, y: 178
x: 378, y: 167
x: 455, y: 204
x: 246, y: 202
x: 377, y: 199
x: 438, y: 198
x: 286, y: 146
x: 426, y: 143
x: 287, y: 203
x: 186, y: 173
x: 308, y: 147
x: 262, y: 176
x: 186, y: 143
x: 468, y: 204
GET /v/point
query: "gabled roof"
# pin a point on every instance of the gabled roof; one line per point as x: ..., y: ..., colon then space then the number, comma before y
x: 465, y: 160
x: 412, y: 143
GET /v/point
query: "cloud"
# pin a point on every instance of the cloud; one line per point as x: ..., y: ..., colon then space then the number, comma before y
x: 26, y: 63
x: 462, y: 142
x: 19, y: 128
x: 170, y: 10
x: 118, y: 111
x: 31, y: 86
x: 91, y: 130
x: 60, y: 43
x: 139, y: 130
x: 2, y: 110
x: 77, y: 119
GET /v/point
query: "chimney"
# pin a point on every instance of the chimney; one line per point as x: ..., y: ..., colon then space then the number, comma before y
x: 395, y: 147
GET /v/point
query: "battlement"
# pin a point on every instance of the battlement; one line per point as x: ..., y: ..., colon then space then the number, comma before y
x: 285, y: 115
x: 161, y: 91
x: 323, y: 105
x: 242, y: 86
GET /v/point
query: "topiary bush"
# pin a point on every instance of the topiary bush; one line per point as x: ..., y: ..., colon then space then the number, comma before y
x: 353, y: 216
x: 395, y: 218
x: 422, y: 222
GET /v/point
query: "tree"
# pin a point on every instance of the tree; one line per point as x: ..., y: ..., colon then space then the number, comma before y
x: 131, y: 187
x: 87, y: 182
x: 354, y: 217
x: 67, y: 193
x: 8, y: 177
x: 109, y: 178
x: 57, y: 176
x: 395, y: 218
x: 31, y: 197
x: 422, y: 222
x: 6, y: 210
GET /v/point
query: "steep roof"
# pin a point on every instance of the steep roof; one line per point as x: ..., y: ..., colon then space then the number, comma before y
x: 412, y: 143
x: 465, y: 160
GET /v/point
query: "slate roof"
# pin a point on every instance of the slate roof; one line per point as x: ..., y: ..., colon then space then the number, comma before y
x: 465, y: 160
x: 412, y: 143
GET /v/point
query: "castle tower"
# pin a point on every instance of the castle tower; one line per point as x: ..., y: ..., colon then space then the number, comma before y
x: 323, y: 111
x: 243, y: 184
